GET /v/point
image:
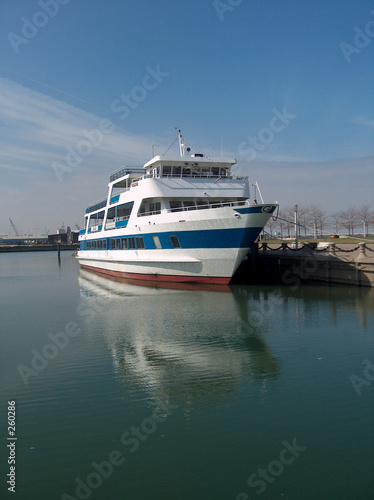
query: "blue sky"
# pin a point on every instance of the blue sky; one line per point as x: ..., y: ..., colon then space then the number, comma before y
x: 284, y: 86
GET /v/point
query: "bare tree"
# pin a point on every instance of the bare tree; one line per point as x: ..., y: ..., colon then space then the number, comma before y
x: 289, y: 215
x: 365, y: 217
x: 336, y: 221
x: 316, y: 219
x: 271, y: 225
x: 350, y: 219
x: 281, y: 223
x: 302, y: 217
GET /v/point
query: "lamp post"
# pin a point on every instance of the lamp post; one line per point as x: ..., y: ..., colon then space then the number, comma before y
x: 295, y: 210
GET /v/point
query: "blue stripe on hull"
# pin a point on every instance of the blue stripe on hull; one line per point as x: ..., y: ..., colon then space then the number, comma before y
x: 212, y: 238
x: 265, y: 209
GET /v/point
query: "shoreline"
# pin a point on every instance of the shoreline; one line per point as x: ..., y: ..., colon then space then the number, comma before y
x: 37, y: 248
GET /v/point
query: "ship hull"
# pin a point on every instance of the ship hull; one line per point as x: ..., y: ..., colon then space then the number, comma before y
x: 211, y: 250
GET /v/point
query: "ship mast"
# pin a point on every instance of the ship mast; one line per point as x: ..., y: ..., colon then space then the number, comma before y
x: 182, y: 146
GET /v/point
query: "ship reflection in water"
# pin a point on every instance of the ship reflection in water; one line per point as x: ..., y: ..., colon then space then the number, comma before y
x: 177, y: 342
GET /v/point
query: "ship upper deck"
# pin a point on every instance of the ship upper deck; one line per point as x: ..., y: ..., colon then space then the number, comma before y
x: 160, y: 166
x: 187, y: 167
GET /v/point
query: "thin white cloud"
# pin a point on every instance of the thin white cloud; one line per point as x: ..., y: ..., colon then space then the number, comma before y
x: 37, y: 129
x: 361, y: 120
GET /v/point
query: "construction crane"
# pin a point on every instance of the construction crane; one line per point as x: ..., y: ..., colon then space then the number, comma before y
x: 14, y: 227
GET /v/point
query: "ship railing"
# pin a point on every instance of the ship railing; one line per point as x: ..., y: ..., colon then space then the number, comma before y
x: 211, y: 204
x: 95, y: 222
x: 124, y: 217
x: 96, y: 206
x: 203, y: 206
x: 124, y: 170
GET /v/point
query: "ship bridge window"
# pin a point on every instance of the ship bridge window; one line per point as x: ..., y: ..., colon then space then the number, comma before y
x: 177, y: 171
x: 175, y: 205
x: 202, y: 204
x: 189, y: 205
x: 149, y: 207
x: 166, y: 171
x: 216, y: 204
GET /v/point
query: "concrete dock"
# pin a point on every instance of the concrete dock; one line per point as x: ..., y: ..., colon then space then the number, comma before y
x: 346, y: 264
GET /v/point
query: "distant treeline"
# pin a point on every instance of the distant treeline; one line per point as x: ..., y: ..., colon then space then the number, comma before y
x: 315, y: 221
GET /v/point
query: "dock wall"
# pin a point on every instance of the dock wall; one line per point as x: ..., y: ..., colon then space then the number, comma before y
x: 37, y: 248
x: 335, y: 265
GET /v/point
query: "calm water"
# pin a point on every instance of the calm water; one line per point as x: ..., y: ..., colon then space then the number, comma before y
x: 129, y: 392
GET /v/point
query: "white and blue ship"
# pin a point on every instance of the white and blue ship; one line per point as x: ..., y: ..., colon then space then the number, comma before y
x: 182, y: 218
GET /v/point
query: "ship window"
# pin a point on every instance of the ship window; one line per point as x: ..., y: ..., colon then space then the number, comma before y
x: 96, y: 219
x: 131, y: 242
x: 124, y: 243
x: 139, y: 242
x: 118, y: 213
x: 118, y: 244
x: 156, y: 242
x: 104, y: 244
x: 189, y: 205
x: 148, y: 207
x: 202, y: 204
x: 175, y: 242
x: 177, y: 171
x: 155, y: 208
x: 175, y: 205
x: 216, y: 204
x: 166, y: 170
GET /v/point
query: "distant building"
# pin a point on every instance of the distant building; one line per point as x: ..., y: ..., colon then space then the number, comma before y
x: 63, y: 238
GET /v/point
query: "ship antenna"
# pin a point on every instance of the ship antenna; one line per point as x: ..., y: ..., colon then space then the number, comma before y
x: 182, y: 146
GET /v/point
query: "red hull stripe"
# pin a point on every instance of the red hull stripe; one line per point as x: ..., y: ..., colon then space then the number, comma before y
x: 160, y: 277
